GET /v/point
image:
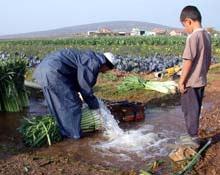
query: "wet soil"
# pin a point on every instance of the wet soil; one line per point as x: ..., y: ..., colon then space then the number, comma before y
x: 210, y: 127
x: 79, y: 157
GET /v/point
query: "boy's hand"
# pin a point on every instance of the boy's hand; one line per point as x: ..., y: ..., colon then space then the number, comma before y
x: 182, y: 87
x: 187, y: 64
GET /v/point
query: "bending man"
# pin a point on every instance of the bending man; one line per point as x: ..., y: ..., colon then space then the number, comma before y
x: 62, y: 75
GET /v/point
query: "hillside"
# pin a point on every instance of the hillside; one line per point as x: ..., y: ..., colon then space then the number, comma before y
x: 70, y: 31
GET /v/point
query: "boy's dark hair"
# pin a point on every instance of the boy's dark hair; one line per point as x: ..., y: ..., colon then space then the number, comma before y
x: 191, y: 12
x: 109, y: 64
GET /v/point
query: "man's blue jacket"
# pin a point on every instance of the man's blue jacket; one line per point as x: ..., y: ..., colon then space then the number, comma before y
x: 62, y: 75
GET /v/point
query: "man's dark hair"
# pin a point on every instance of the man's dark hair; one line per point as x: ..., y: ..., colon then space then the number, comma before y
x: 109, y: 64
x: 191, y: 12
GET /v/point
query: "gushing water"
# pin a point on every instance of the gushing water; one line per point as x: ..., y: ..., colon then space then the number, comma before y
x: 143, y: 142
x: 112, y: 130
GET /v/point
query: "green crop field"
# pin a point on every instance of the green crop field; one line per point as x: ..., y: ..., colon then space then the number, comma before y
x: 136, y: 46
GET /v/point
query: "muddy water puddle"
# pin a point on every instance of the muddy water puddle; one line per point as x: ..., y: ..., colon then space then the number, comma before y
x: 10, y: 121
x: 139, y: 143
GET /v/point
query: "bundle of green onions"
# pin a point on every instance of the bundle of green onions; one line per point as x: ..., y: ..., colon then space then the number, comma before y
x: 91, y: 120
x: 13, y: 96
x: 41, y: 130
x: 135, y: 83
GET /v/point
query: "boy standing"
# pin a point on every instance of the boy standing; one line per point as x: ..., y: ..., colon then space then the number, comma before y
x: 196, y: 62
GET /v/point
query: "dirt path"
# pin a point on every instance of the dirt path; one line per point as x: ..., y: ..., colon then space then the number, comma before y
x: 210, y: 126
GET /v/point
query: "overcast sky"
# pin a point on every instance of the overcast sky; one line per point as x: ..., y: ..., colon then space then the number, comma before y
x: 20, y: 16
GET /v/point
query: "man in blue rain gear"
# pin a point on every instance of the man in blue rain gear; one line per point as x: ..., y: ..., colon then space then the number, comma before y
x: 65, y: 73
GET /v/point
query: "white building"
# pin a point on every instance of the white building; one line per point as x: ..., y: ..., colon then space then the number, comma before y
x: 137, y: 32
x: 91, y: 33
x: 149, y: 33
x: 176, y: 33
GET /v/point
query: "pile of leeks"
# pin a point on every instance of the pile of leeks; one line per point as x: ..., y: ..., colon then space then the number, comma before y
x: 13, y: 96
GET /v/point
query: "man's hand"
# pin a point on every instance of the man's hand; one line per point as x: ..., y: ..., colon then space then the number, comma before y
x: 97, y: 111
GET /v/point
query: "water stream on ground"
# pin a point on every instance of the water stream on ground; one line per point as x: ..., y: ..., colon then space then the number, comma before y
x: 121, y: 145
